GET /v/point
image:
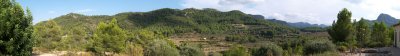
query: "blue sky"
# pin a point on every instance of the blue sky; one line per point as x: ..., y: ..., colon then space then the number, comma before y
x: 48, y: 9
x: 311, y: 11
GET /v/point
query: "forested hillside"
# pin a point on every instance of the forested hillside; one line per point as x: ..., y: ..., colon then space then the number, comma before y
x: 199, y: 32
x: 172, y: 21
x: 191, y: 32
x: 208, y: 31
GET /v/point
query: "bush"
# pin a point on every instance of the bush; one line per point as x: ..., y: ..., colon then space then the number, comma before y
x: 134, y: 50
x: 237, y: 51
x: 313, y: 47
x: 268, y: 49
x: 161, y: 48
x: 342, y: 48
x: 215, y: 54
x: 298, y: 50
x: 190, y: 51
x: 286, y: 53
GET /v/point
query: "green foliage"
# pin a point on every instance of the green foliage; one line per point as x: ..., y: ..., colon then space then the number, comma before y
x: 240, y: 39
x: 48, y: 35
x: 363, y: 32
x: 135, y: 50
x: 215, y: 54
x: 269, y: 49
x: 108, y: 38
x: 237, y: 51
x: 380, y: 35
x: 342, y: 48
x: 313, y: 29
x: 342, y: 29
x: 190, y: 51
x: 161, y: 48
x: 299, y: 50
x: 313, y: 47
x: 389, y: 40
x: 151, y: 29
x: 15, y: 29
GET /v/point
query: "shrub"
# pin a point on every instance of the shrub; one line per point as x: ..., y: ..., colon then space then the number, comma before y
x: 299, y: 50
x: 268, y: 49
x: 313, y: 47
x: 190, y: 51
x: 214, y: 54
x: 237, y: 51
x: 342, y: 48
x: 161, y: 48
x: 134, y: 50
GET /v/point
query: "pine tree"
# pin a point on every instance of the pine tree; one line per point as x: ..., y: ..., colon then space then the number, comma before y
x: 342, y: 29
x: 379, y: 35
x: 48, y: 36
x: 108, y: 38
x: 363, y: 32
x: 15, y: 29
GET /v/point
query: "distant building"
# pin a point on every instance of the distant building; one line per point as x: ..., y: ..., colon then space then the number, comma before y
x: 396, y: 37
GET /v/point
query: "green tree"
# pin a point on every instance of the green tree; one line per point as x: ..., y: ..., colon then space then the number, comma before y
x: 342, y: 29
x: 379, y: 34
x: 108, y: 37
x: 363, y: 32
x: 389, y: 39
x: 15, y: 29
x: 48, y: 35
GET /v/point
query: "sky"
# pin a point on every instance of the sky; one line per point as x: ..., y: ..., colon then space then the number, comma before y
x: 47, y: 9
x: 311, y: 11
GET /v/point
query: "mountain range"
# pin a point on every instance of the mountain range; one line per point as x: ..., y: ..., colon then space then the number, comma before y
x: 386, y: 18
x: 292, y: 24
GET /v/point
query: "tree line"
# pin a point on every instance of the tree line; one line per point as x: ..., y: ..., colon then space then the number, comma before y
x: 349, y: 35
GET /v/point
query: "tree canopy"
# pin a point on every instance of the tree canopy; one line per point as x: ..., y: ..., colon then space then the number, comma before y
x: 342, y: 29
x: 15, y: 29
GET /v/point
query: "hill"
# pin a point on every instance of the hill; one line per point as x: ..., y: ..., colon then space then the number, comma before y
x: 174, y: 21
x: 294, y: 24
x: 210, y: 30
x: 389, y: 20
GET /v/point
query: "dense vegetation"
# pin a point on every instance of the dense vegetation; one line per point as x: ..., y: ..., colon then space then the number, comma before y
x: 148, y: 33
x: 181, y: 32
x: 347, y: 34
x: 15, y: 29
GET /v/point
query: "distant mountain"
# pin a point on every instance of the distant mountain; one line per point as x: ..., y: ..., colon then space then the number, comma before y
x: 296, y: 24
x: 389, y: 20
x: 305, y: 24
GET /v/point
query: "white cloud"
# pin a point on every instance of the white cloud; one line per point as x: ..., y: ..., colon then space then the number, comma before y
x: 313, y: 11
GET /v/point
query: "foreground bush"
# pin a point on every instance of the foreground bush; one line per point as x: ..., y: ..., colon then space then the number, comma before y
x: 268, y: 50
x: 161, y: 48
x: 190, y: 51
x: 237, y: 51
x: 313, y: 47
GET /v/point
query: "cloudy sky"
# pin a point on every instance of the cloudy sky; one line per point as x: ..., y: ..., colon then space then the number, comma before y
x: 312, y: 11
